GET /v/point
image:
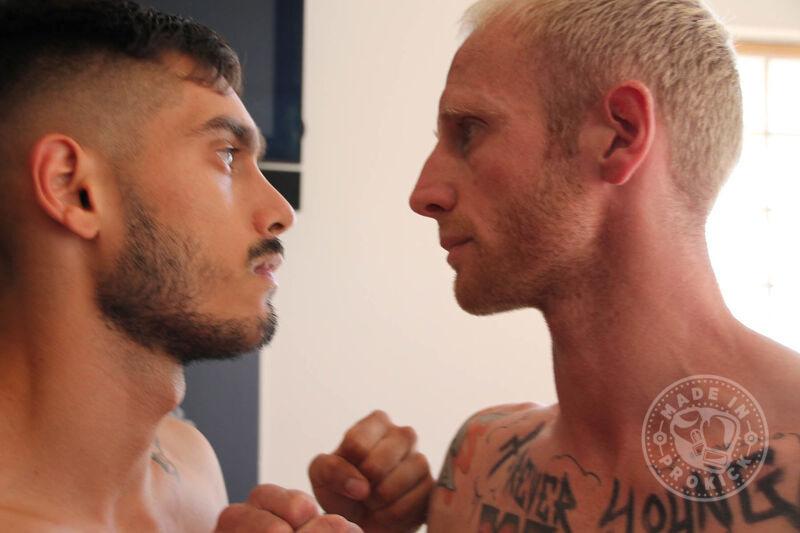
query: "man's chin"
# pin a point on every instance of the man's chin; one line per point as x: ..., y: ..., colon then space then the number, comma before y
x: 225, y: 343
x: 482, y: 302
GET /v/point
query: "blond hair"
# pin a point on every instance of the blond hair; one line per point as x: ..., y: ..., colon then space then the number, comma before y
x: 582, y: 48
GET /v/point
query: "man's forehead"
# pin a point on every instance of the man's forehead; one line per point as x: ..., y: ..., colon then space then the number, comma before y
x: 204, y: 109
x: 488, y: 72
x: 490, y: 51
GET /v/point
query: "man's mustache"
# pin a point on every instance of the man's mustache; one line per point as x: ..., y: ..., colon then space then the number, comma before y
x: 265, y: 247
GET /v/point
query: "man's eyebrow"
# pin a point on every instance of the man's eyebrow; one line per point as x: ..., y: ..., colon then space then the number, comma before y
x: 450, y: 112
x: 251, y: 138
x: 453, y: 111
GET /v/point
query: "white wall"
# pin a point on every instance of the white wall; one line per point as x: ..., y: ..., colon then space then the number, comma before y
x: 763, y: 20
x: 368, y: 319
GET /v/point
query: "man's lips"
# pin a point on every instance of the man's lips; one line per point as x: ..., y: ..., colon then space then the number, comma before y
x: 448, y: 243
x: 266, y: 267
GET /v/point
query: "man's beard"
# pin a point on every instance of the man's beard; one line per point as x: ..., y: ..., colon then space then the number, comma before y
x: 150, y: 294
x: 545, y: 242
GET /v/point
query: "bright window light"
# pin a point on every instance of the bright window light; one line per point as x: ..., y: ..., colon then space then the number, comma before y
x: 754, y: 230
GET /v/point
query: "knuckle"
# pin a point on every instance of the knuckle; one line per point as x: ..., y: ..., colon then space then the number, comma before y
x: 420, y: 461
x: 318, y: 466
x: 336, y: 522
x: 300, y: 507
x: 408, y: 433
x: 278, y: 527
x: 384, y: 493
x: 353, y: 445
x: 262, y: 492
x: 230, y: 516
x: 380, y: 416
x: 371, y: 470
x: 394, y: 515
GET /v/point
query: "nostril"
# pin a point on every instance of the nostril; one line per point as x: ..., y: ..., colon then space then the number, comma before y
x: 434, y: 209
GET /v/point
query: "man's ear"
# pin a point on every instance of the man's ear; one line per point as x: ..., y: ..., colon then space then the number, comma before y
x: 629, y: 125
x: 59, y: 168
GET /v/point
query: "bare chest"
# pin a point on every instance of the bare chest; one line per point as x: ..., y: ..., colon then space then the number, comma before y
x: 508, y: 482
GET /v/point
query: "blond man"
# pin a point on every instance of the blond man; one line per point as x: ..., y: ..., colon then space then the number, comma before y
x: 581, y: 146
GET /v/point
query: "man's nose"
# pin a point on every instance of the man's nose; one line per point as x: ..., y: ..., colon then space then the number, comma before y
x: 274, y: 214
x: 433, y: 194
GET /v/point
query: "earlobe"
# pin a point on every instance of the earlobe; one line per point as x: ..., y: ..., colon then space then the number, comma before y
x: 63, y: 190
x: 629, y: 117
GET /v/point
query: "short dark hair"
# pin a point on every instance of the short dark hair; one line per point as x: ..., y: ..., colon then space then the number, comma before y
x: 33, y: 33
x: 90, y: 48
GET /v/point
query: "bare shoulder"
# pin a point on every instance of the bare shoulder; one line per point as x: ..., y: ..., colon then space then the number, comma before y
x: 182, y: 452
x: 501, y: 417
x: 507, y: 415
x: 473, y: 449
x: 467, y: 440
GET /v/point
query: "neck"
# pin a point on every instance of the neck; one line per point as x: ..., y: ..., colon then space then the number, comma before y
x: 632, y: 329
x: 80, y: 404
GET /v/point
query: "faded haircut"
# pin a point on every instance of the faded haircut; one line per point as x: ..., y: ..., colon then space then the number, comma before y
x: 92, y: 69
x: 39, y: 33
x: 62, y: 54
x: 582, y: 48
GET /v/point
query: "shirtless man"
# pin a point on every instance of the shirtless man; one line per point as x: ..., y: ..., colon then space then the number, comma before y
x: 136, y: 234
x: 581, y: 146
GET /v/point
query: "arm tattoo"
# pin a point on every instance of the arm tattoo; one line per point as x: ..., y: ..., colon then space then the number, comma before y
x: 161, y: 459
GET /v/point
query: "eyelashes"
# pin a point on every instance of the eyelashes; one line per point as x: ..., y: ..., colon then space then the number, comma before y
x: 467, y: 130
x: 228, y: 156
x: 459, y: 132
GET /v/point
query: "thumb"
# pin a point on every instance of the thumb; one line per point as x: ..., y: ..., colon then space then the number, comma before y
x: 332, y: 473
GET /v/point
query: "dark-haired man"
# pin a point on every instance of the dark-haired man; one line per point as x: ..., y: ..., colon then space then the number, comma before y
x: 136, y: 234
x: 581, y: 145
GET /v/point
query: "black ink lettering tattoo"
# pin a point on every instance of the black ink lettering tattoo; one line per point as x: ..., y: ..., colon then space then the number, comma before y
x: 510, y: 523
x: 720, y: 510
x: 545, y: 501
x: 654, y: 515
x: 543, y: 507
x: 676, y: 524
x: 513, y: 445
x: 777, y: 505
x: 612, y: 513
x: 759, y: 502
x: 489, y: 521
x: 565, y: 502
x: 523, y: 482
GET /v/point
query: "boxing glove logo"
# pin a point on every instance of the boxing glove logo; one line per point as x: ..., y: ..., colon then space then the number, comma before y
x: 704, y: 438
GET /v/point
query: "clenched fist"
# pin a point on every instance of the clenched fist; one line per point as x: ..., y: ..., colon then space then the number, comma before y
x: 272, y: 509
x: 375, y: 477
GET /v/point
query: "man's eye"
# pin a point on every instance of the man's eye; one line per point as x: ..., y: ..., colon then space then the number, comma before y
x: 227, y: 156
x: 468, y: 130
